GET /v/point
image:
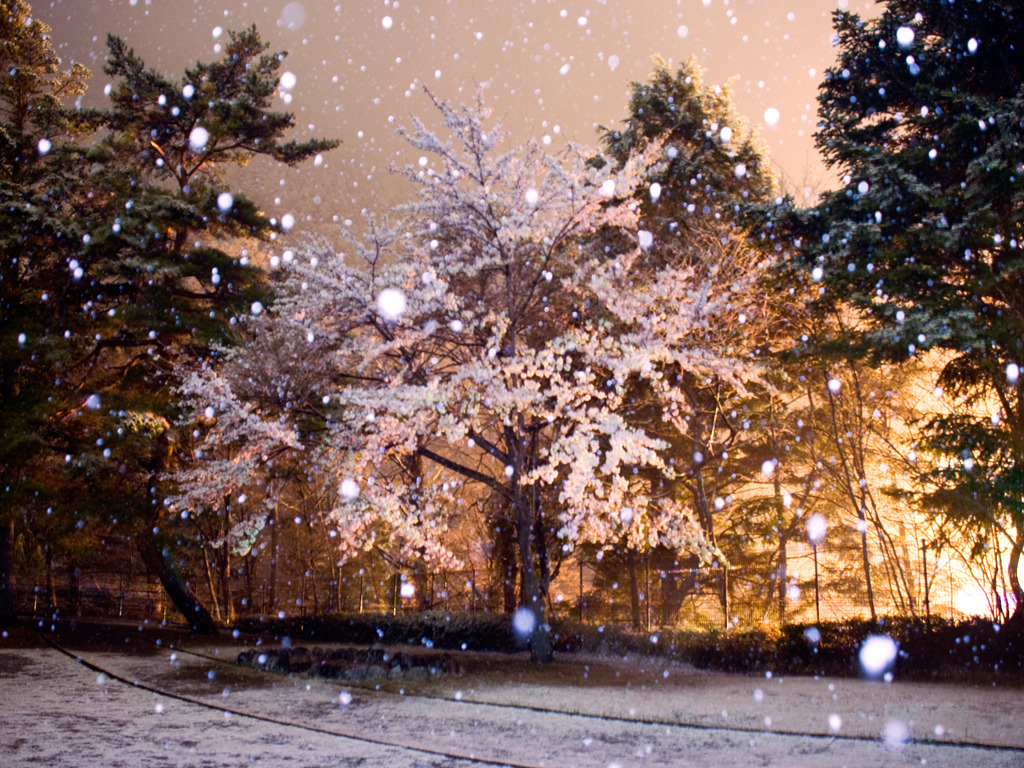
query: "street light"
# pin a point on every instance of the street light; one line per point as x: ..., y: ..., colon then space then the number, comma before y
x: 816, y: 527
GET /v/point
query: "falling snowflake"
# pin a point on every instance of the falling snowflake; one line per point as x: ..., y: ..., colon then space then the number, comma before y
x: 391, y: 304
x: 349, y: 489
x: 524, y: 621
x: 198, y: 138
x: 877, y: 655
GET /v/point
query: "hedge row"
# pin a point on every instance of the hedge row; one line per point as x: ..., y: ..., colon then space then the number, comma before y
x: 975, y: 649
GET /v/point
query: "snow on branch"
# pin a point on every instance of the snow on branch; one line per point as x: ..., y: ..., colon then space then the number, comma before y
x: 490, y: 338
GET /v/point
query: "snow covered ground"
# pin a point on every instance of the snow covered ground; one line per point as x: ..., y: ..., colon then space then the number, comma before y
x: 181, y: 709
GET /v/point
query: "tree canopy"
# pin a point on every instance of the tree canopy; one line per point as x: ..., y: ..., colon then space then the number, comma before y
x: 38, y: 136
x: 494, y: 336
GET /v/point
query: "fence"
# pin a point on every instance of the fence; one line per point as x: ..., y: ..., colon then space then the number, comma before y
x: 696, y: 598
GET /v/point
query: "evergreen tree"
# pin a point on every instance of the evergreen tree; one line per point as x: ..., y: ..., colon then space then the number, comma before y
x: 130, y: 278
x: 712, y: 169
x: 172, y: 289
x: 923, y: 116
x: 713, y: 165
x: 38, y: 138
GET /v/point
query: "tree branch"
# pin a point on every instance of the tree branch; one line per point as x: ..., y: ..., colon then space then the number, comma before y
x: 472, y: 474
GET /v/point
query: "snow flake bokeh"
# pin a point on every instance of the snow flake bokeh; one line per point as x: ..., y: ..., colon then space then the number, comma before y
x: 560, y: 71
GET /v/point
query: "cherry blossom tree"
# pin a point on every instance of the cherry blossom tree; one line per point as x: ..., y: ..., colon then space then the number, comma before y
x: 692, y: 206
x: 492, y: 332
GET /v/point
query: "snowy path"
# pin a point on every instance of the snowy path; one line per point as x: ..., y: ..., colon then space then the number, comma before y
x: 57, y: 712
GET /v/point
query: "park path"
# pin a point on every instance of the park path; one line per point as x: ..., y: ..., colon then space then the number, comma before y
x: 579, y: 712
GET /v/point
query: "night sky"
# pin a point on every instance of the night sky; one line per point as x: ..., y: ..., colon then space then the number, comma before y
x: 554, y: 69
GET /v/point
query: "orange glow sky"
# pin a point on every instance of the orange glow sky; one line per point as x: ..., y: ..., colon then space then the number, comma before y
x: 555, y: 67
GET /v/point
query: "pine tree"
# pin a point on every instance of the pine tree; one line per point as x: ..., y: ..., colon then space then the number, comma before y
x: 693, y: 205
x: 714, y: 164
x: 923, y: 117
x: 129, y: 278
x: 38, y: 138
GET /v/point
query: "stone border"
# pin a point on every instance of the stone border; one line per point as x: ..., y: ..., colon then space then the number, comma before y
x: 356, y: 664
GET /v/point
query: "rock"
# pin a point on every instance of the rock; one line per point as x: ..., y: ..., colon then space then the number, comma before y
x: 246, y: 658
x: 271, y: 660
x: 417, y: 673
x: 332, y: 670
x: 296, y: 660
x: 448, y: 665
x: 351, y: 663
x: 401, y: 660
x: 343, y: 654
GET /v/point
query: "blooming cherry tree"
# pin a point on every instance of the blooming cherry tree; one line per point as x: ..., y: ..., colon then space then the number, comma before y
x: 492, y: 336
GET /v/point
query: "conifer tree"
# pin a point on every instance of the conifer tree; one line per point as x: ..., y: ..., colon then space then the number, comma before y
x: 692, y: 205
x: 38, y: 136
x: 923, y: 117
x: 127, y: 277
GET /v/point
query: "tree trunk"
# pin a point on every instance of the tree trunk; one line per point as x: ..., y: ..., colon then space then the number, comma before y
x: 213, y: 590
x: 780, y: 521
x: 177, y: 590
x: 420, y: 578
x: 504, y: 554
x: 75, y: 589
x: 782, y: 573
x: 224, y: 576
x: 222, y: 559
x: 634, y: 589
x: 540, y: 637
x: 667, y: 564
x: 8, y: 608
x: 540, y: 542
x: 1017, y: 618
x: 51, y: 586
x: 867, y: 562
x: 250, y: 582
x: 272, y: 586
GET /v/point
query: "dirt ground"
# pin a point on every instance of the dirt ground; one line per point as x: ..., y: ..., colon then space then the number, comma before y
x: 123, y: 700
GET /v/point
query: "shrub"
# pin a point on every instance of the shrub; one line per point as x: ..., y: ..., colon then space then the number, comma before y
x: 975, y: 649
x: 464, y: 631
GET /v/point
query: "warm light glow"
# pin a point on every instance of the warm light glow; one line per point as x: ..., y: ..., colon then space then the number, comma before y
x: 356, y: 70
